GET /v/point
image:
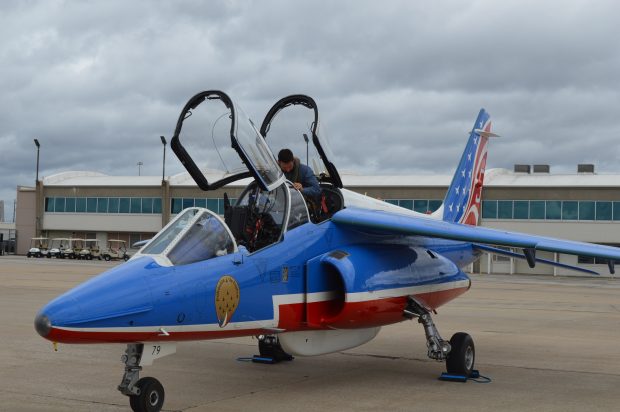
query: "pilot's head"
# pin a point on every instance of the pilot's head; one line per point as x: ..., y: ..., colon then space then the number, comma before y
x: 286, y: 160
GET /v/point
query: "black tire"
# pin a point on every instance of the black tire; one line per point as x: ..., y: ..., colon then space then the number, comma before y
x: 151, y: 398
x: 49, y: 255
x: 28, y: 255
x: 462, y: 356
x: 126, y: 258
x: 106, y: 258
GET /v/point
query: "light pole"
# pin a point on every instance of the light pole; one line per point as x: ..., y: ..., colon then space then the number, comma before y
x: 163, y: 172
x: 36, y: 142
x: 139, y: 165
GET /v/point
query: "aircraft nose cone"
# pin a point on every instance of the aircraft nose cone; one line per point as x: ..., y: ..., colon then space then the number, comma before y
x: 42, y: 325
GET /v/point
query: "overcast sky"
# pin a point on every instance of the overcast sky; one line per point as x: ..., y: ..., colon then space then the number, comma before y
x: 398, y: 83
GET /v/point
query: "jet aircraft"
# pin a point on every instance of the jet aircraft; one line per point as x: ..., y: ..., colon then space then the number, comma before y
x: 308, y: 276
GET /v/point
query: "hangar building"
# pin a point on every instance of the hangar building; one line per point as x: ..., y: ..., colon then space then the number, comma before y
x: 581, y: 206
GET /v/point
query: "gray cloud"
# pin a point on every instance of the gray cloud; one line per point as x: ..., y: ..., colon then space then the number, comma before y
x: 398, y: 83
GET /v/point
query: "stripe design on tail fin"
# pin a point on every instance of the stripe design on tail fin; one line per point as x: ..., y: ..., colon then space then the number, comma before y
x: 462, y: 203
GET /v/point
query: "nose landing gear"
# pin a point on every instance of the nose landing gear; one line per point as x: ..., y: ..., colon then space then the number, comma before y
x: 146, y: 394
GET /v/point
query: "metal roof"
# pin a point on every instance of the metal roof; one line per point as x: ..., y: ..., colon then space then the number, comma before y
x: 493, y: 178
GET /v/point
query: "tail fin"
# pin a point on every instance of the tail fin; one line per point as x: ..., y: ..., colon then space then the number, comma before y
x: 462, y: 202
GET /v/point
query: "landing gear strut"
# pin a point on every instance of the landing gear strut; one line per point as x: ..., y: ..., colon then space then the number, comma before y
x: 146, y: 394
x: 459, y: 354
x: 269, y: 347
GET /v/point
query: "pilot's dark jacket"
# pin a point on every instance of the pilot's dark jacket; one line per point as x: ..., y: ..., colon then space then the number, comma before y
x: 300, y: 173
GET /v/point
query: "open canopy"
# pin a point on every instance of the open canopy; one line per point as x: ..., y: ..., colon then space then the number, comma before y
x: 242, y: 136
x: 322, y: 163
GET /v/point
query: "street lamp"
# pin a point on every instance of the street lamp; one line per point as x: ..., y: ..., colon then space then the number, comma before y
x: 139, y: 165
x: 163, y: 172
x: 36, y: 142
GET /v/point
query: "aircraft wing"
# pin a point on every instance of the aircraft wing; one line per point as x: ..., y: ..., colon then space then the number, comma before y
x: 392, y: 223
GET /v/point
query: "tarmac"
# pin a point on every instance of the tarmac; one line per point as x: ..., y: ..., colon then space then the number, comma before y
x: 547, y: 344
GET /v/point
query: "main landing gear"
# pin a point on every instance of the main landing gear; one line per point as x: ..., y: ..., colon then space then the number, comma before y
x: 146, y: 394
x: 459, y: 353
x: 269, y: 348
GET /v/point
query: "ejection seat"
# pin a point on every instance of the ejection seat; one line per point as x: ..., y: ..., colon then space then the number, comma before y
x: 329, y: 202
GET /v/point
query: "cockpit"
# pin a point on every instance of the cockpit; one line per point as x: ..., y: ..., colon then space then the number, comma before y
x: 268, y: 208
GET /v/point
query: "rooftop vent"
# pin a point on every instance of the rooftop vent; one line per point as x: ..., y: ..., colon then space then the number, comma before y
x: 522, y: 169
x: 541, y: 168
x: 585, y: 168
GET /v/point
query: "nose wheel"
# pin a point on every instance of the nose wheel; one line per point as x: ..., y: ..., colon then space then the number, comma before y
x: 150, y: 396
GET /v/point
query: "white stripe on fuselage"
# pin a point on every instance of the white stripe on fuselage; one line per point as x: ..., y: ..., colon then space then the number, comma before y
x: 283, y: 300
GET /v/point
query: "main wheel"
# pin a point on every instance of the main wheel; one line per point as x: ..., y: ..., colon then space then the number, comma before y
x: 462, y: 356
x: 151, y: 398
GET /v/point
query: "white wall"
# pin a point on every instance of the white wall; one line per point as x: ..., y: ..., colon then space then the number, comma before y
x: 90, y: 222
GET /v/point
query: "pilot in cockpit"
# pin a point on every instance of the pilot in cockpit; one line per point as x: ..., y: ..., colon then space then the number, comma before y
x: 299, y: 174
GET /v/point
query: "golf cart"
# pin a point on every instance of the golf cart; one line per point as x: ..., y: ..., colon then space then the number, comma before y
x: 73, y: 249
x: 38, y: 247
x: 59, y: 244
x: 91, y: 251
x: 116, y: 250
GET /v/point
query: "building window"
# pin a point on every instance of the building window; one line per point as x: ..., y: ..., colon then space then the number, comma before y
x: 420, y: 206
x: 406, y: 203
x: 553, y: 210
x: 537, y: 209
x: 70, y: 205
x: 113, y: 205
x: 504, y: 209
x: 433, y: 205
x: 49, y: 204
x: 176, y: 206
x: 102, y: 205
x: 587, y: 210
x: 91, y: 205
x: 603, y: 210
x: 136, y: 205
x: 80, y: 205
x: 212, y: 205
x: 200, y: 202
x: 147, y: 205
x: 570, y: 210
x: 123, y: 205
x: 616, y: 210
x: 489, y: 209
x: 188, y: 203
x: 157, y: 205
x: 59, y: 204
x: 521, y: 209
x: 392, y: 201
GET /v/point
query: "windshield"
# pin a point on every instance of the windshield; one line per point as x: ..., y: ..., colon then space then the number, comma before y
x: 194, y: 235
x: 166, y: 236
x: 206, y: 238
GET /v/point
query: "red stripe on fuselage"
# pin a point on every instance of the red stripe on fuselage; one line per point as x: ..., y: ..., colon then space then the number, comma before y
x: 353, y: 315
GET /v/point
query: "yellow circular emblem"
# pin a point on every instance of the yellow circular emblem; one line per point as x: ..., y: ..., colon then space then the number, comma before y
x: 226, y: 299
